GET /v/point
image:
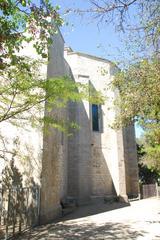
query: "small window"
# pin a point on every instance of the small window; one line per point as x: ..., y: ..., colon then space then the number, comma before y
x: 95, y: 117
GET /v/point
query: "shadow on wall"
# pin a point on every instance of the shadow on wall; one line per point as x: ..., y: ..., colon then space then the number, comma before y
x: 88, y: 172
x: 19, y: 206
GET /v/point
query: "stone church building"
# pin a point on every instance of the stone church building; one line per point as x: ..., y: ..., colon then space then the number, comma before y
x: 96, y: 161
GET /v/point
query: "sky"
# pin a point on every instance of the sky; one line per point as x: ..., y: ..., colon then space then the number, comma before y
x: 83, y: 33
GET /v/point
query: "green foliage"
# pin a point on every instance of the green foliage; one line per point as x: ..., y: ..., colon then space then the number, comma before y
x: 149, y: 156
x: 139, y: 92
x: 23, y: 92
x: 139, y: 100
x: 148, y: 175
x: 25, y: 21
x: 21, y: 87
x: 152, y: 149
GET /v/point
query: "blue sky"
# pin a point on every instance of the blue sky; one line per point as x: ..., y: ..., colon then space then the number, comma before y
x: 84, y: 35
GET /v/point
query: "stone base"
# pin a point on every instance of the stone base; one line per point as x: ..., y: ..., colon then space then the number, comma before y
x: 97, y: 199
x: 81, y: 202
x: 123, y: 198
x: 48, y: 216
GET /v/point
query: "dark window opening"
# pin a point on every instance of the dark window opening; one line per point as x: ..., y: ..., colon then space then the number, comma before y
x: 95, y: 117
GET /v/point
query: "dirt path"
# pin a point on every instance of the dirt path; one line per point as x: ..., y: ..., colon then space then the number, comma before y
x: 140, y: 220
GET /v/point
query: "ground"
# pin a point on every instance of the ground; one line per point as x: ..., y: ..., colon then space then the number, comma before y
x: 140, y: 220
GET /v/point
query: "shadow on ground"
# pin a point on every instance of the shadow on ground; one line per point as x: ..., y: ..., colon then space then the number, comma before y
x: 92, y: 209
x: 83, y: 231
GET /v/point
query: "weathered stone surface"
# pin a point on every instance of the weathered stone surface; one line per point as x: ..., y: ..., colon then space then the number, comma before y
x: 54, y: 161
x: 87, y: 164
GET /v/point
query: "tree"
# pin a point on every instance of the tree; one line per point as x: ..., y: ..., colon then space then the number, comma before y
x: 152, y: 149
x: 140, y: 18
x: 147, y: 173
x: 24, y: 21
x: 139, y: 92
x: 21, y: 22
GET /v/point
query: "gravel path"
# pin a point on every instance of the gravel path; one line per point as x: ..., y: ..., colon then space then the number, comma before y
x: 140, y: 220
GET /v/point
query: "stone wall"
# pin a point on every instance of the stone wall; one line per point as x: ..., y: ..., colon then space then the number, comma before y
x: 28, y: 139
x: 97, y: 157
x: 131, y: 161
x: 54, y: 161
